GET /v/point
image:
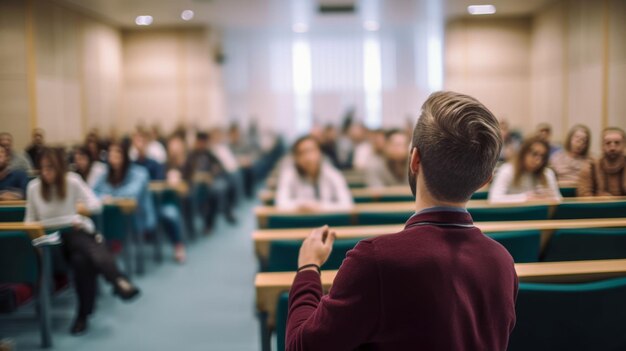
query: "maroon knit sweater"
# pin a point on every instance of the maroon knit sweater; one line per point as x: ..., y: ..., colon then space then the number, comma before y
x: 429, y: 287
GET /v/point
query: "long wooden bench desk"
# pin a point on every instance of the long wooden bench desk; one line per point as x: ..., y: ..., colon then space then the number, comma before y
x: 263, y: 238
x: 263, y: 212
x: 269, y: 286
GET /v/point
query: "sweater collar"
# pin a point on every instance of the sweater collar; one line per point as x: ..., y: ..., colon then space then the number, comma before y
x: 441, y: 215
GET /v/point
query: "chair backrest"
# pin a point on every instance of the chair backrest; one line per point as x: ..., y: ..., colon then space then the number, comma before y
x: 586, y: 244
x: 283, y: 255
x: 523, y: 245
x: 282, y: 310
x: 379, y: 218
x: 590, y: 210
x: 308, y: 220
x: 568, y: 192
x: 588, y: 316
x: 521, y: 213
x: 480, y: 195
x: 114, y: 224
x: 12, y: 213
x: 19, y: 262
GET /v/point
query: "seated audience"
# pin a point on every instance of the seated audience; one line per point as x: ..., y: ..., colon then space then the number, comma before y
x: 140, y: 142
x: 88, y: 168
x: 154, y: 149
x: 36, y: 147
x: 54, y: 196
x: 544, y: 132
x: 527, y: 178
x: 246, y: 156
x: 329, y: 143
x: 568, y: 162
x: 511, y: 142
x: 202, y: 166
x: 392, y: 168
x: 17, y: 160
x: 310, y: 183
x: 361, y: 146
x: 167, y: 213
x: 12, y: 182
x: 124, y: 179
x: 606, y: 176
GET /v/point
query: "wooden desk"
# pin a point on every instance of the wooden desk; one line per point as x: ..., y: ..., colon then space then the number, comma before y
x: 160, y: 186
x: 263, y: 238
x: 263, y: 212
x: 269, y: 286
x: 13, y: 203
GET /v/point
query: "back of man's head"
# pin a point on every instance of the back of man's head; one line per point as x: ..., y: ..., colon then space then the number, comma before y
x: 459, y: 142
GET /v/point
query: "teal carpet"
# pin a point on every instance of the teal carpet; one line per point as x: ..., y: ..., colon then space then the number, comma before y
x: 206, y: 304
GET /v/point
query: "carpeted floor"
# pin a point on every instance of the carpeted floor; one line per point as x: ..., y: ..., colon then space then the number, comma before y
x: 207, y: 304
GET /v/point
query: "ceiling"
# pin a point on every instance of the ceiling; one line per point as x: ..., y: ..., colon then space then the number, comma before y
x: 263, y: 14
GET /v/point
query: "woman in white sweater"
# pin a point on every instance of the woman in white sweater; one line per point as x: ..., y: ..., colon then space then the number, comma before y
x: 54, y: 197
x: 311, y: 183
x: 527, y: 178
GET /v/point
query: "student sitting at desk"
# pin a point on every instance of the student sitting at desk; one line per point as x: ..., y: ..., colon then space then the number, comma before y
x: 528, y: 178
x: 126, y: 180
x: 390, y: 169
x: 606, y: 176
x: 88, y: 168
x: 12, y: 182
x: 54, y: 195
x: 309, y: 182
x: 569, y: 162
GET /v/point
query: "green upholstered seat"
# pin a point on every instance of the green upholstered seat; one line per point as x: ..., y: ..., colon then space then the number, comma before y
x: 589, y: 316
x: 12, y: 213
x: 568, y: 192
x: 522, y: 213
x: 283, y: 256
x: 282, y: 309
x: 591, y: 210
x: 18, y: 259
x: 308, y: 220
x: 586, y: 244
x: 522, y: 245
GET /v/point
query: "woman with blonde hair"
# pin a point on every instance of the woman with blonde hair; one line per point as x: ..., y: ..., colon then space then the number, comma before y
x: 568, y: 163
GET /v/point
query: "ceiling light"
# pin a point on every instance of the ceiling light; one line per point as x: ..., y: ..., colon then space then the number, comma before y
x: 371, y: 26
x: 481, y: 9
x: 143, y: 20
x: 300, y: 27
x: 186, y: 15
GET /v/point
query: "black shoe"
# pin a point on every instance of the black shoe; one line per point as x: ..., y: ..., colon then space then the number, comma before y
x: 128, y: 293
x: 80, y: 326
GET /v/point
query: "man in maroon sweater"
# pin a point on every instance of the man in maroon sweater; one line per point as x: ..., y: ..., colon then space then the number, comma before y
x: 440, y: 284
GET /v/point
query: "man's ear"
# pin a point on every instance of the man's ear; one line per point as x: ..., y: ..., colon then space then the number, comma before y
x: 414, y: 163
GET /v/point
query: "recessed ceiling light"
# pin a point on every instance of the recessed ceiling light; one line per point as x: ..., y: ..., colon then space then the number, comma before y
x: 481, y: 9
x: 371, y: 26
x: 300, y: 27
x: 143, y: 20
x: 186, y: 15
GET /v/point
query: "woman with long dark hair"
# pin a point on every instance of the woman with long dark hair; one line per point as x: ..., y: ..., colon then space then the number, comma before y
x: 55, y: 195
x: 87, y: 167
x: 527, y: 178
x: 123, y: 179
